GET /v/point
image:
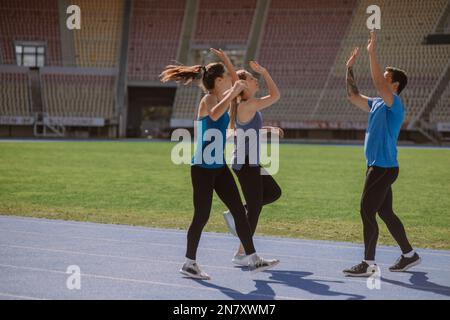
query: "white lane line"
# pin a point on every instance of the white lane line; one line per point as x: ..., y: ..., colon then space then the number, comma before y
x: 140, y: 281
x: 320, y: 243
x: 318, y: 277
x: 316, y: 243
x: 145, y: 259
x: 10, y: 295
x: 228, y: 252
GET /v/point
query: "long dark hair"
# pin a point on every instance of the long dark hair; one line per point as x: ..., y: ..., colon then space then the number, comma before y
x: 187, y: 74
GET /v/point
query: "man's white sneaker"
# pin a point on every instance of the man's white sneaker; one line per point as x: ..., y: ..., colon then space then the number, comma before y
x: 192, y: 270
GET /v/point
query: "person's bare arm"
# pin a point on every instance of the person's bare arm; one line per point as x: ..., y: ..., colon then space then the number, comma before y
x: 227, y: 62
x: 353, y: 94
x: 377, y: 74
x: 274, y: 93
x: 210, y: 107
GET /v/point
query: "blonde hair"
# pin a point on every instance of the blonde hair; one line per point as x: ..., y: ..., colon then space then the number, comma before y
x: 242, y: 75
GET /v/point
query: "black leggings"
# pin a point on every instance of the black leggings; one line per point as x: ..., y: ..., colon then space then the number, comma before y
x: 377, y: 197
x: 258, y: 190
x: 204, y: 182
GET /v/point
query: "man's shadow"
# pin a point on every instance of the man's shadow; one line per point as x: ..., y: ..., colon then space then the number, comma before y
x: 419, y: 281
x: 295, y: 279
x: 262, y: 291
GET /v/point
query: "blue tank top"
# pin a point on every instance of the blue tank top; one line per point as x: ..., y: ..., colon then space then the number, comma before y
x: 251, y: 148
x: 205, y: 137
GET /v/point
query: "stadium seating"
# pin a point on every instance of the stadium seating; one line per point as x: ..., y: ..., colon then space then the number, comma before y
x: 78, y: 95
x: 441, y: 113
x: 29, y: 21
x: 14, y: 94
x: 304, y: 44
x: 226, y: 22
x: 154, y: 37
x: 300, y: 52
x: 186, y: 102
x: 404, y: 25
x: 97, y: 43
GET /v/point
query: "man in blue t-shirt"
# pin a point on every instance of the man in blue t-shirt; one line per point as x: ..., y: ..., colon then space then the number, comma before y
x: 386, y: 114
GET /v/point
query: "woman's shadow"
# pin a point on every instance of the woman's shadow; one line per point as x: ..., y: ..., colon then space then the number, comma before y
x: 419, y: 281
x: 295, y: 279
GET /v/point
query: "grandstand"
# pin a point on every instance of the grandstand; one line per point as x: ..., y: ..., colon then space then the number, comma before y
x: 24, y: 20
x: 86, y: 81
x: 154, y: 25
x: 14, y: 94
x: 224, y: 22
x: 97, y: 43
x: 300, y: 52
x: 78, y: 95
x: 441, y: 113
x: 404, y: 26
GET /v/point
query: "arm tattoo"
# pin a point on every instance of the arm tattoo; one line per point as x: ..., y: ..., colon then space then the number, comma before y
x: 352, y: 89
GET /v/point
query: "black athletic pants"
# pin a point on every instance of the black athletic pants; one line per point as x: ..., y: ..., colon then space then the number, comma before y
x: 377, y: 197
x: 204, y: 182
x: 258, y: 191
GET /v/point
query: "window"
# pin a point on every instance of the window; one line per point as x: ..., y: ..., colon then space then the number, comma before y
x: 30, y: 54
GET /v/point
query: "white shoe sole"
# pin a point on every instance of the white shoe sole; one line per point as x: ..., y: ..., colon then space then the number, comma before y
x: 413, y: 264
x: 361, y: 275
x: 264, y: 268
x: 190, y: 275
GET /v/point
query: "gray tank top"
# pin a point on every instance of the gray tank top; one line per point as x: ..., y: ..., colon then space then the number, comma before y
x: 246, y: 142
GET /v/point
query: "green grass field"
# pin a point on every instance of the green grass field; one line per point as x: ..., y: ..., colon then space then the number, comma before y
x: 137, y: 184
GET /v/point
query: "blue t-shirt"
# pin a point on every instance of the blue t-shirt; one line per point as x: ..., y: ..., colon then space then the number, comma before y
x: 380, y: 145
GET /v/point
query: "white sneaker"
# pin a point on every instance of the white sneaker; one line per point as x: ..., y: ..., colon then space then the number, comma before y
x: 229, y: 220
x: 192, y: 270
x: 241, y: 260
x: 258, y: 264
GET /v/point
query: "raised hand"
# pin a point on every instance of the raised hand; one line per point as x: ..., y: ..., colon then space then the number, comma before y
x: 371, y: 42
x: 257, y: 67
x: 275, y: 130
x: 220, y: 54
x: 351, y: 61
x: 279, y: 131
x: 237, y: 88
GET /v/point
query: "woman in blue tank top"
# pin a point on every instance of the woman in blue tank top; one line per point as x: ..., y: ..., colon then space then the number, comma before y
x: 209, y: 171
x: 259, y: 187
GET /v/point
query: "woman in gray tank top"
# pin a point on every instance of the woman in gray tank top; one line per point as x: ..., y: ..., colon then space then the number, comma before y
x: 259, y: 188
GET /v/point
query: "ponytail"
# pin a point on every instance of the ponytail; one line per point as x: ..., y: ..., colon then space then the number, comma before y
x: 233, y: 113
x: 185, y: 74
x: 180, y: 73
x: 236, y: 101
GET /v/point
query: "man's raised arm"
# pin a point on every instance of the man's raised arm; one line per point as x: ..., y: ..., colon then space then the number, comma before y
x: 352, y: 90
x: 377, y: 74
